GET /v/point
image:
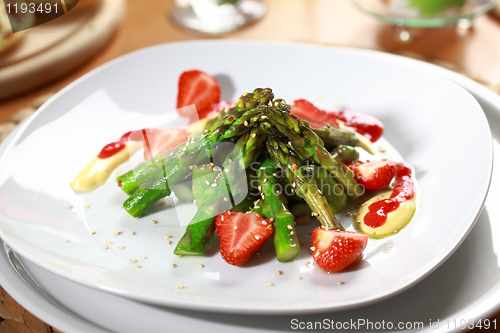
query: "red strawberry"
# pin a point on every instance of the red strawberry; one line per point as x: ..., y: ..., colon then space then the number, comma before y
x: 158, y: 141
x: 317, y: 118
x: 364, y: 124
x: 197, y: 87
x: 241, y: 235
x: 335, y: 250
x: 374, y: 175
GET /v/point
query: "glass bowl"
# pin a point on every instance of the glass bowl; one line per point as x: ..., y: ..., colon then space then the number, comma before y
x: 425, y: 13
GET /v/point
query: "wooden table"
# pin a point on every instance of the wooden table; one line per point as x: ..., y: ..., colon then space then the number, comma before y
x: 334, y: 22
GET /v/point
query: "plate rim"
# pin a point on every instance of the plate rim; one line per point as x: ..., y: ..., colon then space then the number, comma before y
x: 232, y: 308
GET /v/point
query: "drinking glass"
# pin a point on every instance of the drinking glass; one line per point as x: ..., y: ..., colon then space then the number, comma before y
x: 216, y: 16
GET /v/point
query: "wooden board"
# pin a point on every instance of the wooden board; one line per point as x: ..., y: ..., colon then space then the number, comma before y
x: 53, y: 49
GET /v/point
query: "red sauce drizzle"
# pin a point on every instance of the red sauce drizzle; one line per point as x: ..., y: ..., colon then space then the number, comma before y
x: 403, y: 190
x: 114, y: 147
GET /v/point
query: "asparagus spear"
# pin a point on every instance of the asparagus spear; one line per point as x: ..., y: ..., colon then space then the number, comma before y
x: 329, y: 188
x: 345, y: 154
x: 286, y: 244
x: 333, y: 136
x: 226, y: 188
x: 307, y: 189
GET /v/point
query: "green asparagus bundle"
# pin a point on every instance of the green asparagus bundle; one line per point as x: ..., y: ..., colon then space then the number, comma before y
x: 292, y: 153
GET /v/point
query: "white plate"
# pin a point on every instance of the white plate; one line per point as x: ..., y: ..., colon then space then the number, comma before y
x: 434, y: 124
x: 449, y: 294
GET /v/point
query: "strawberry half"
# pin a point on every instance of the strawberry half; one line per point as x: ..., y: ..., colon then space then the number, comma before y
x: 364, y: 124
x: 317, y: 118
x: 241, y: 235
x: 198, y: 88
x: 374, y: 175
x: 335, y: 250
x: 158, y: 141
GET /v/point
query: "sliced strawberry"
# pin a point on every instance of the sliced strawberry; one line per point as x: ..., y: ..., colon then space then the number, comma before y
x: 158, y: 141
x: 335, y: 250
x: 364, y: 124
x: 241, y: 235
x: 198, y: 88
x: 213, y: 110
x: 317, y: 118
x: 374, y: 175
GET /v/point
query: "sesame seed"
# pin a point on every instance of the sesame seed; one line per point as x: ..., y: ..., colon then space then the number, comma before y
x: 348, y: 214
x: 179, y: 287
x: 191, y: 167
x: 256, y: 206
x: 278, y: 192
x: 289, y: 227
x: 179, y: 255
x: 88, y: 206
x: 108, y: 242
x: 235, y: 227
x: 138, y: 266
x: 69, y: 206
x: 132, y: 232
x: 306, y: 263
x: 116, y: 233
x: 294, y: 166
x: 154, y: 222
x: 200, y: 265
x: 143, y: 257
x: 271, y: 219
x: 168, y: 237
x: 355, y: 214
x: 292, y: 233
x: 214, y: 185
x: 169, y: 242
x: 105, y: 247
x: 66, y: 240
x: 174, y: 265
x: 316, y: 255
x: 387, y: 201
x: 340, y: 283
x: 121, y: 247
x: 275, y: 174
x: 94, y: 232
x: 222, y: 217
x: 206, y: 131
x: 226, y: 199
x: 265, y: 180
x: 264, y: 222
x: 254, y: 135
x: 257, y: 237
x: 313, y: 248
x: 207, y: 182
x: 226, y: 170
x: 294, y: 184
x: 133, y: 260
x: 280, y: 272
x: 270, y: 284
x: 319, y: 191
x: 263, y: 197
x: 230, y: 160
x: 298, y: 278
x: 259, y: 188
x: 246, y: 123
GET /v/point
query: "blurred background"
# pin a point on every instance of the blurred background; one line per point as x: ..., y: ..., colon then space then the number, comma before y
x: 462, y: 35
